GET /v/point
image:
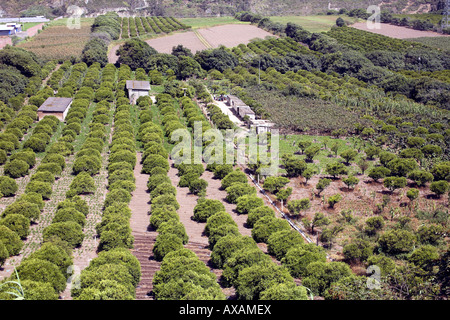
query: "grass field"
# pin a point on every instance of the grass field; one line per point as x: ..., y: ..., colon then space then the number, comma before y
x: 317, y: 23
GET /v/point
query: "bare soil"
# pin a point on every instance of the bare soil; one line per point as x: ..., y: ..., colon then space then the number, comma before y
x: 397, y: 32
x: 232, y: 35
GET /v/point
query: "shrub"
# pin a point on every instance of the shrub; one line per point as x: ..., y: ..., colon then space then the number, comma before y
x: 11, y: 240
x: 8, y: 186
x: 266, y: 226
x: 234, y: 177
x: 320, y: 275
x: 83, y: 183
x: 216, y: 233
x: 43, y: 176
x: 36, y: 144
x: 42, y: 271
x: 218, y: 219
x: 334, y: 199
x: 237, y: 190
x: 16, y: 168
x: 358, y: 250
x: 226, y: 246
x: 17, y: 223
x: 127, y: 185
x: 87, y: 164
x: 33, y: 197
x: 28, y: 210
x: 103, y: 277
x: 27, y: 156
x: 115, y: 235
x: 238, y: 261
x: 439, y: 187
x: 247, y: 203
x: 54, y: 254
x: 280, y: 242
x: 154, y: 161
x: 43, y: 188
x: 37, y: 290
x: 161, y: 215
x: 296, y: 206
x: 257, y: 213
x: 117, y: 195
x: 165, y: 199
x: 175, y: 228
x: 166, y: 243
x: 397, y: 241
x: 123, y: 156
x: 393, y: 183
x: 420, y: 177
x: 51, y: 167
x: 198, y: 186
x: 164, y: 188
x: 254, y: 280
x: 69, y: 231
x: 297, y: 258
x: 206, y: 208
x: 69, y: 214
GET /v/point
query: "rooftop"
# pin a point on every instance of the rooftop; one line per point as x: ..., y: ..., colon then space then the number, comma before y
x: 138, y: 85
x: 237, y: 101
x: 55, y: 104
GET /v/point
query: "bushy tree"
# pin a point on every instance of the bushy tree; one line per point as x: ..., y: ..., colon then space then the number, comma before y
x: 17, y: 223
x: 320, y: 275
x: 248, y: 202
x: 206, y: 208
x: 42, y: 271
x: 266, y: 226
x: 68, y: 231
x: 397, y: 241
x: 297, y: 258
x: 279, y: 243
x: 166, y: 243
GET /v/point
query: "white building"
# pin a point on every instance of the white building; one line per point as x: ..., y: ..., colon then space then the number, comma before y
x: 137, y: 89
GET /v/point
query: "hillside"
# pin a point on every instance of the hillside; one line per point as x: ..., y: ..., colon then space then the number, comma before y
x: 186, y: 8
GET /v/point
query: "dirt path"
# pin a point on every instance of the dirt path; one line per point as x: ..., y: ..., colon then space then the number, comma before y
x: 187, y: 203
x: 139, y: 204
x: 144, y: 240
x: 214, y: 192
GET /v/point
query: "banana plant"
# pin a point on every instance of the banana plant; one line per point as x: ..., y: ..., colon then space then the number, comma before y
x: 16, y: 286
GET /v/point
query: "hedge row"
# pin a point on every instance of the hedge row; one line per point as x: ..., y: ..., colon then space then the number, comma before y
x: 44, y: 273
x: 182, y: 274
x: 115, y: 273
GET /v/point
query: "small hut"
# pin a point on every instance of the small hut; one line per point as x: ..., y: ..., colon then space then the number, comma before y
x: 54, y: 106
x: 137, y: 89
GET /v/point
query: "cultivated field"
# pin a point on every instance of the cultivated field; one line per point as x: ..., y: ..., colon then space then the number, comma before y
x: 57, y: 41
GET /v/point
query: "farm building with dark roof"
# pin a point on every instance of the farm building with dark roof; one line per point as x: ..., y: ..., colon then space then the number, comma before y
x: 54, y: 106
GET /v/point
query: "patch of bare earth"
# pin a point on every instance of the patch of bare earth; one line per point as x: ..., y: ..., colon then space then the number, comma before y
x: 144, y: 239
x: 232, y: 35
x: 397, y: 31
x: 187, y: 39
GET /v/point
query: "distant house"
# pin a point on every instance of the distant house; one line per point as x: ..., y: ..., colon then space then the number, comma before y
x: 10, y: 29
x: 261, y: 126
x: 240, y: 108
x: 137, y: 89
x: 54, y: 106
